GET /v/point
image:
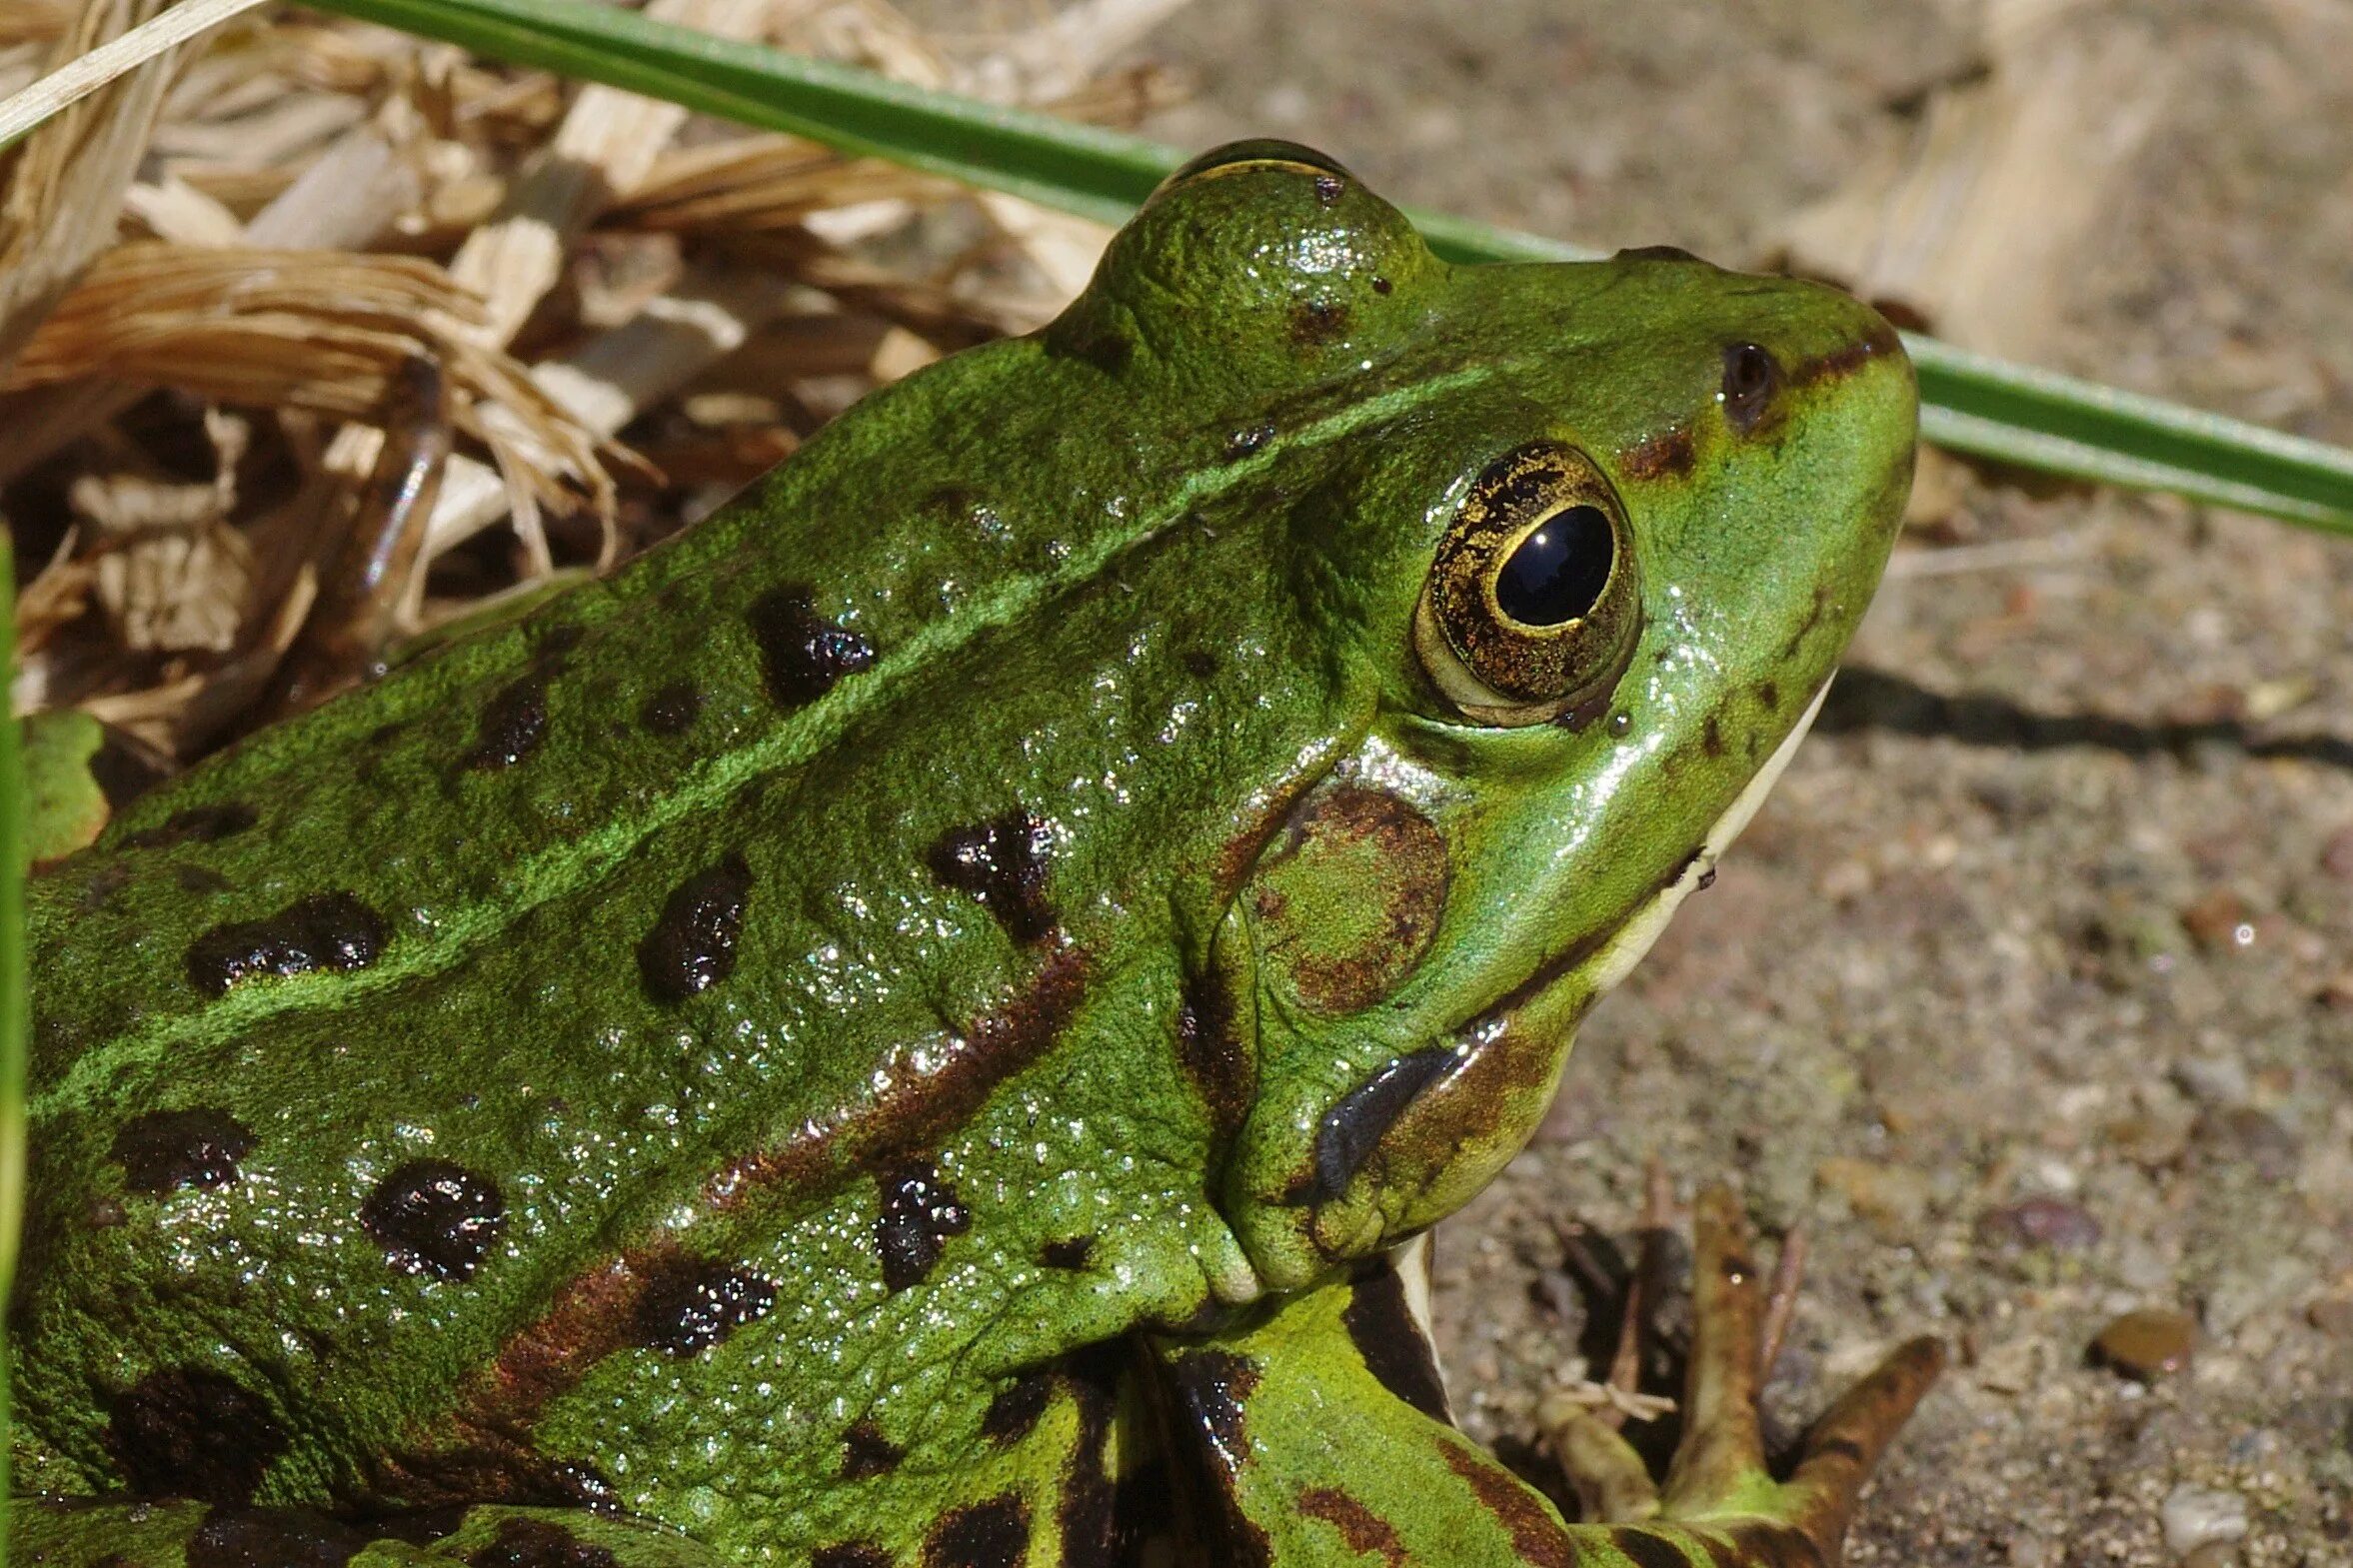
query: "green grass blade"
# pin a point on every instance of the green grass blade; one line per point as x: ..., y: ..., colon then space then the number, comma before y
x: 1971, y: 403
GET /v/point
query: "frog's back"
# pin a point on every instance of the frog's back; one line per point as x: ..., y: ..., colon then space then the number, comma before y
x: 629, y: 1010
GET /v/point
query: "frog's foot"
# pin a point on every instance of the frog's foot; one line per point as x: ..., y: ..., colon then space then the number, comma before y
x: 1717, y: 1484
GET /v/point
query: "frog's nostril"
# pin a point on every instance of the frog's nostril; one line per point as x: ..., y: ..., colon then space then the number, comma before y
x: 1751, y: 379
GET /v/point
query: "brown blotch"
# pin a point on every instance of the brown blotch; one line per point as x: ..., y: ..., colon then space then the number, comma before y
x: 993, y: 1534
x: 691, y: 1305
x: 1645, y: 1550
x: 1879, y: 340
x: 1540, y: 1542
x: 272, y: 1538
x: 1766, y: 1546
x: 920, y: 1213
x: 867, y: 1453
x: 1360, y: 1527
x: 1711, y: 736
x: 851, y: 1554
x: 1349, y: 846
x: 1198, y: 662
x: 187, y: 1433
x: 802, y: 654
x: 1002, y: 863
x: 539, y: 1543
x: 196, y: 824
x: 672, y: 709
x: 201, y: 880
x: 512, y: 724
x: 163, y: 1150
x: 1213, y: 1053
x: 1071, y: 1252
x: 692, y: 947
x: 1016, y: 1410
x: 435, y: 1218
x: 1381, y: 285
x: 330, y: 930
x: 1667, y: 454
x: 921, y: 1112
x: 1382, y: 1329
x: 1315, y: 323
x: 1769, y: 693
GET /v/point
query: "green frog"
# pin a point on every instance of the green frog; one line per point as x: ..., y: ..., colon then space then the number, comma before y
x: 906, y: 1028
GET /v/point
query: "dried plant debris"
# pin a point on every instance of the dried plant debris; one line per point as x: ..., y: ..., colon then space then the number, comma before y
x: 320, y: 264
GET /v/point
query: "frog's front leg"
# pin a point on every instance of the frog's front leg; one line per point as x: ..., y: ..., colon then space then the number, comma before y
x: 1321, y: 1436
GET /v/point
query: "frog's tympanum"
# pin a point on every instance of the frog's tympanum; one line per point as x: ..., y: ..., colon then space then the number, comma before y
x: 902, y: 1029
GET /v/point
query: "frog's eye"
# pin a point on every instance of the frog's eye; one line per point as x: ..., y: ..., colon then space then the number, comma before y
x: 1531, y: 608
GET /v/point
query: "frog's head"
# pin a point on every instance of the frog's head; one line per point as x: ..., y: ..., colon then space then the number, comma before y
x: 1581, y: 568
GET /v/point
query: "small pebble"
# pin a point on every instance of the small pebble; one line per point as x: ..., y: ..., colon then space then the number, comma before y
x: 2248, y: 1138
x: 2146, y: 1346
x: 2336, y: 857
x: 2215, y: 1080
x: 2199, y: 1516
x: 2041, y: 1222
x: 2332, y: 1315
x: 2220, y: 921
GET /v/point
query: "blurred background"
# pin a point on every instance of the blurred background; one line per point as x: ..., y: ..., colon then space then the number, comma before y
x: 2029, y: 993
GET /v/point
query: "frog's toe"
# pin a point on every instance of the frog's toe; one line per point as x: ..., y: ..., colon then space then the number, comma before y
x: 1719, y: 1492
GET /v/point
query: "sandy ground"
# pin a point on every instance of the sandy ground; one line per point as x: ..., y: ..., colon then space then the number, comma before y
x: 2056, y: 909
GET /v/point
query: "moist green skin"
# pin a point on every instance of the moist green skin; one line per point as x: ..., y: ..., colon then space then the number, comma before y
x: 912, y: 929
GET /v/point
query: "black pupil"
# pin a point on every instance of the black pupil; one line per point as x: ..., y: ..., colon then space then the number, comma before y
x: 1556, y: 573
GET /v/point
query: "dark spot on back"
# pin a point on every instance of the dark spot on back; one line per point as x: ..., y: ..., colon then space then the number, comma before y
x: 691, y: 1307
x: 1314, y: 323
x: 850, y: 1554
x: 920, y: 1213
x: 555, y: 643
x: 1248, y: 439
x: 1014, y: 1413
x: 1535, y: 1535
x: 539, y: 1543
x: 1212, y: 1386
x: 435, y: 1218
x: 1770, y: 694
x: 202, y: 881
x: 1394, y: 1351
x: 802, y: 654
x: 1711, y: 736
x: 1199, y: 665
x: 1070, y: 1252
x: 1003, y: 862
x: 1353, y: 1128
x: 993, y: 1534
x: 272, y: 1538
x: 328, y: 931
x: 196, y: 824
x: 163, y: 1150
x: 692, y: 947
x: 187, y: 1433
x: 1645, y: 1550
x: 514, y: 722
x: 672, y: 709
x: 1381, y: 285
x: 867, y: 1453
